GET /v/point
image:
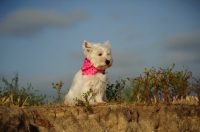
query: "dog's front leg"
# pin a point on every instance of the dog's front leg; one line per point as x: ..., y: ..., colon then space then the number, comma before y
x: 100, y: 91
x: 90, y: 97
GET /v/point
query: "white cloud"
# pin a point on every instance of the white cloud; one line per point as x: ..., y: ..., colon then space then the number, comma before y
x: 182, y: 48
x: 114, y: 15
x: 181, y: 57
x: 183, y: 41
x: 31, y: 21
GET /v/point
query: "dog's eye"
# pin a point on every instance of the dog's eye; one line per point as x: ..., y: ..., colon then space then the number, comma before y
x: 108, y: 54
x: 100, y: 54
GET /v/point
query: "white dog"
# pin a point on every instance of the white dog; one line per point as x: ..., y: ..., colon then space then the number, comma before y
x: 92, y: 74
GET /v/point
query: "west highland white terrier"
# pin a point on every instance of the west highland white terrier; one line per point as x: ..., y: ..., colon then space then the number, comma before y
x: 92, y: 75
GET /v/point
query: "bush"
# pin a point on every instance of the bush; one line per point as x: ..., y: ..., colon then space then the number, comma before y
x: 155, y: 86
x: 163, y: 84
x: 58, y: 87
x: 85, y: 103
x: 114, y: 92
x: 10, y: 94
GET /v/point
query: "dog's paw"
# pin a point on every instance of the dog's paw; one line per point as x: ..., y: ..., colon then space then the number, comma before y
x: 101, y: 103
x: 92, y: 103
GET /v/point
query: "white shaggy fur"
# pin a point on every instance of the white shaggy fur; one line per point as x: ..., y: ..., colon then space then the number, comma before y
x: 98, y: 54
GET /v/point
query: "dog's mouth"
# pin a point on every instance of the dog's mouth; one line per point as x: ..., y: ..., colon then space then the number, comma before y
x: 103, y: 67
x: 103, y: 64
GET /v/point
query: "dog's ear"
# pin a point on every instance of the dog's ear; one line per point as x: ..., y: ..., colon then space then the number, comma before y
x: 107, y: 44
x: 87, y: 46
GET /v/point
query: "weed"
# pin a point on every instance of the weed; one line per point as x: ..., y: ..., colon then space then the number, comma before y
x: 58, y: 87
x: 114, y: 91
x: 10, y: 94
x: 195, y: 86
x: 161, y: 85
x: 85, y: 103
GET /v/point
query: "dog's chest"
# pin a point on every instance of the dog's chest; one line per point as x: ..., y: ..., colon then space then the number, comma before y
x: 102, y: 76
x: 97, y: 78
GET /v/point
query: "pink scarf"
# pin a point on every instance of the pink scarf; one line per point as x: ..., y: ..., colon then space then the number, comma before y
x: 89, y: 69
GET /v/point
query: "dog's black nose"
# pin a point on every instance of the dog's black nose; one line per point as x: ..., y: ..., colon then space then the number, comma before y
x: 107, y: 62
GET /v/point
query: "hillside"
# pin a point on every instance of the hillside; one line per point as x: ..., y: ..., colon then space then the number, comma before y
x: 105, y: 118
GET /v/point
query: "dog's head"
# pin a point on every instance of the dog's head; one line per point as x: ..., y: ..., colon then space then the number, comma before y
x: 98, y: 54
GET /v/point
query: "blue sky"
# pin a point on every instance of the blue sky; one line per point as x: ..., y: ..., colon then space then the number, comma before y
x: 42, y: 39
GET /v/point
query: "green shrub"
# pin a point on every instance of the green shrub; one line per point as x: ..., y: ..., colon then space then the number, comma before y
x: 155, y: 86
x: 10, y: 94
x: 196, y: 87
x: 85, y: 103
x: 58, y: 87
x: 114, y: 92
x: 163, y: 84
